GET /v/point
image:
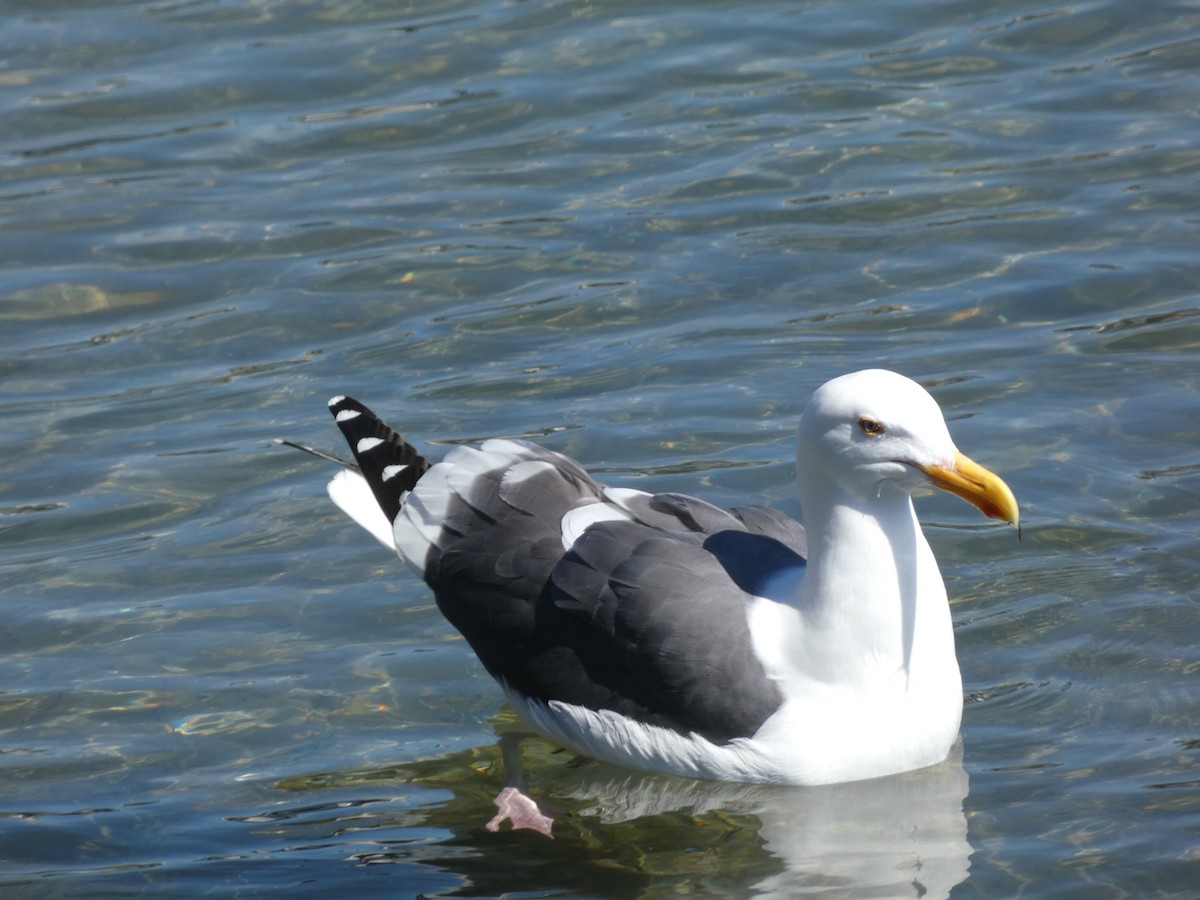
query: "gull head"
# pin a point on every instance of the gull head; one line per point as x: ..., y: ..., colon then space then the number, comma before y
x: 875, y: 432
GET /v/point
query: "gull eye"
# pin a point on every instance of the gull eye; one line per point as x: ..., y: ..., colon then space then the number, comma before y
x: 870, y: 427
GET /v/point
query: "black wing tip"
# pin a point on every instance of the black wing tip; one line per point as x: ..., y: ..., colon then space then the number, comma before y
x: 390, y: 464
x: 341, y: 403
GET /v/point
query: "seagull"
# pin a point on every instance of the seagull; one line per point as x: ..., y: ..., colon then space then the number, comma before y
x: 663, y: 633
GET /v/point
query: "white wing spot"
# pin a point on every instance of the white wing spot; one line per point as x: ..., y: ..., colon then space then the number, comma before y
x: 367, y: 444
x: 580, y: 518
x: 346, y: 415
x: 390, y: 472
x: 334, y: 401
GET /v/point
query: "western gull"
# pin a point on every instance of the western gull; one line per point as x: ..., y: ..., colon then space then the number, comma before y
x: 661, y: 632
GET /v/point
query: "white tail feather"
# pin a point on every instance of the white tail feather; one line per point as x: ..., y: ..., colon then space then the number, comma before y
x: 350, y: 491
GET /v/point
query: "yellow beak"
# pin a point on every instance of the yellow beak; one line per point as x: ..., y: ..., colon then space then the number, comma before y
x: 978, y: 486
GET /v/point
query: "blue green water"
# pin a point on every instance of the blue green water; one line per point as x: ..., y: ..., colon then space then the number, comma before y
x: 642, y: 234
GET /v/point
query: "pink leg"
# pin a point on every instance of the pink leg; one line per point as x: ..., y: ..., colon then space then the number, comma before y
x: 518, y: 808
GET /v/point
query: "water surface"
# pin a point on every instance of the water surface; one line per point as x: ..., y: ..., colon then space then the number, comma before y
x: 642, y: 234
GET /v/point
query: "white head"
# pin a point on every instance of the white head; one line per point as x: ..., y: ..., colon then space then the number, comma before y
x: 875, y: 432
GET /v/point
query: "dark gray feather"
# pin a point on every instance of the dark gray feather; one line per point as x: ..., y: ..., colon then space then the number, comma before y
x: 646, y: 618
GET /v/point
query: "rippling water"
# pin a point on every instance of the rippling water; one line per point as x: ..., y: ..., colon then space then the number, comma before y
x: 642, y: 234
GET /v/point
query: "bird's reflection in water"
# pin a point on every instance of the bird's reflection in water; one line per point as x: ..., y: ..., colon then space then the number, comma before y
x: 619, y: 831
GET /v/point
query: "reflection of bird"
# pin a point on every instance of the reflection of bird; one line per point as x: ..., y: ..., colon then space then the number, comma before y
x: 900, y: 836
x: 660, y: 632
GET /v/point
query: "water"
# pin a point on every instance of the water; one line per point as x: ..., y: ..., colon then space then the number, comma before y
x: 641, y: 233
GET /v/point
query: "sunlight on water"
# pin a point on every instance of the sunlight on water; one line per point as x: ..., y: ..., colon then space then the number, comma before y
x: 640, y: 235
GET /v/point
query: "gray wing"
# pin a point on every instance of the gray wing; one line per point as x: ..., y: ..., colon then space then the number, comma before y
x: 645, y: 616
x: 679, y: 512
x: 665, y: 618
